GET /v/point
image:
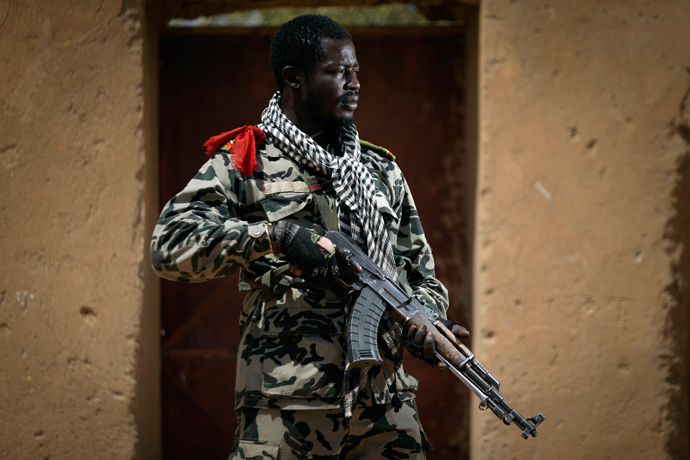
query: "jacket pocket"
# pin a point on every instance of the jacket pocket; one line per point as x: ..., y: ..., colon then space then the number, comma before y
x: 285, y: 199
x: 303, y: 355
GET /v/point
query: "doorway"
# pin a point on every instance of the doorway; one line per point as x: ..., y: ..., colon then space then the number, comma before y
x: 413, y: 103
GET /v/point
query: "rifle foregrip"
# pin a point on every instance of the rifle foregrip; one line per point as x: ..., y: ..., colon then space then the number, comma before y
x: 444, y: 347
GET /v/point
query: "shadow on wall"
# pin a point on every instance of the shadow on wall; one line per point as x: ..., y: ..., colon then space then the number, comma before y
x: 678, y: 292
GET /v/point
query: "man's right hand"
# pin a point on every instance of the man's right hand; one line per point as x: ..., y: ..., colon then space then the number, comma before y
x: 313, y: 254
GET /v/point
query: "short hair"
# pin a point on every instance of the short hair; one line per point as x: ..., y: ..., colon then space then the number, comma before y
x: 298, y: 43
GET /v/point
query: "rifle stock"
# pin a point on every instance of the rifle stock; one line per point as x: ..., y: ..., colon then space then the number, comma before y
x: 375, y: 293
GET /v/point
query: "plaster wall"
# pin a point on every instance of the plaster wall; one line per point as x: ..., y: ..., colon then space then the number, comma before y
x: 72, y: 237
x: 581, y: 263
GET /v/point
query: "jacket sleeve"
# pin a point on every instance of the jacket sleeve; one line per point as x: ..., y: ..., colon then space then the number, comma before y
x: 413, y: 255
x: 200, y: 235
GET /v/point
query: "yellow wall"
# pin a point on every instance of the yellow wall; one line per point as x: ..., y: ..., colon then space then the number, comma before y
x: 579, y: 278
x: 72, y: 236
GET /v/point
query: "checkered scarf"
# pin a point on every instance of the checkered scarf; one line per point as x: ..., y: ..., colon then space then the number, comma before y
x: 353, y: 184
x: 358, y: 214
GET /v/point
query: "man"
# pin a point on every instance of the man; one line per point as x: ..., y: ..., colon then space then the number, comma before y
x: 252, y: 207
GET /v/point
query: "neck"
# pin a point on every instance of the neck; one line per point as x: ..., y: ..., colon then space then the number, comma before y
x: 295, y: 112
x: 293, y: 109
x: 324, y: 138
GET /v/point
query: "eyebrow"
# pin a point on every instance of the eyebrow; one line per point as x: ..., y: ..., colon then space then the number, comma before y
x: 345, y: 64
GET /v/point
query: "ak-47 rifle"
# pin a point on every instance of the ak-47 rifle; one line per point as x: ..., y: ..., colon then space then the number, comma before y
x: 377, y: 293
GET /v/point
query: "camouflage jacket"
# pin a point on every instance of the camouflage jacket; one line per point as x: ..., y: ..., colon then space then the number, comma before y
x: 292, y: 349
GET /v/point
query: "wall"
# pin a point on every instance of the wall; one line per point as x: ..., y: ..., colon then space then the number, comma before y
x: 581, y: 305
x: 582, y: 221
x: 72, y: 237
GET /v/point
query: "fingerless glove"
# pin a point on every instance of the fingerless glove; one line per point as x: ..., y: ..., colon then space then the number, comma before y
x: 299, y: 246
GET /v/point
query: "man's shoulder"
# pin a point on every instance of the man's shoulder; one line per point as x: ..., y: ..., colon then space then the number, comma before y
x: 379, y: 159
x: 271, y: 150
x: 263, y: 151
x: 376, y: 150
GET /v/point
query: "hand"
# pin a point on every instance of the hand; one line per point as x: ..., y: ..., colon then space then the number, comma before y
x: 420, y: 342
x: 316, y: 258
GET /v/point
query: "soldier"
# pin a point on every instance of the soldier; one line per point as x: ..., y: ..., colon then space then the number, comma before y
x: 252, y: 208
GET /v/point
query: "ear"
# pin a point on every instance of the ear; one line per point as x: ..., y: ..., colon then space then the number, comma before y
x: 292, y: 77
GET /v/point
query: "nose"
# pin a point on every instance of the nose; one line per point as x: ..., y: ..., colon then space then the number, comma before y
x: 353, y: 82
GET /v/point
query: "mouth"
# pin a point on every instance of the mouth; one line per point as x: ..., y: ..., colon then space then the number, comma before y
x: 351, y: 105
x: 350, y: 101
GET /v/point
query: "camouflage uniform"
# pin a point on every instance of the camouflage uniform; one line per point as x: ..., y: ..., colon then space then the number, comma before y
x: 291, y: 353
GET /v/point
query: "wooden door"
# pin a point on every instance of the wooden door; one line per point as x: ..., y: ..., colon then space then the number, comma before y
x: 411, y: 101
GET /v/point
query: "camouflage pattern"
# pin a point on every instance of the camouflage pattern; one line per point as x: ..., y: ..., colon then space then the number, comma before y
x: 375, y: 430
x: 291, y: 354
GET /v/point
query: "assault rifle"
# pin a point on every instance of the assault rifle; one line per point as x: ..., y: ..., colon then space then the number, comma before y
x: 377, y: 293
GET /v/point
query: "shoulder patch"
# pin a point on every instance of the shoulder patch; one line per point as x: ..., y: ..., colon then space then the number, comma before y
x: 375, y: 148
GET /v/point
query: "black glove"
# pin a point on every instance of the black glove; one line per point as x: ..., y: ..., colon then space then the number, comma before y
x: 300, y: 247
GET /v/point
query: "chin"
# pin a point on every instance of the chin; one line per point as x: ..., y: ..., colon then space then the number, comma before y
x: 343, y: 122
x: 335, y: 122
x: 347, y: 121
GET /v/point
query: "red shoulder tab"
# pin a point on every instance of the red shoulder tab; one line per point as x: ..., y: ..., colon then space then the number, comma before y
x: 243, y: 146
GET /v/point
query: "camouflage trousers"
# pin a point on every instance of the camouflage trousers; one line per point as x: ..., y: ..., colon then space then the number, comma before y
x: 374, y: 432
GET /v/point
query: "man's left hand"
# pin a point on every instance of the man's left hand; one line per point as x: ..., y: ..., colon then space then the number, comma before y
x: 419, y: 339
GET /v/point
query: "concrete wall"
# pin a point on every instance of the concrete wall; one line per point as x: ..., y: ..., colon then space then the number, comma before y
x: 582, y: 222
x: 72, y: 237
